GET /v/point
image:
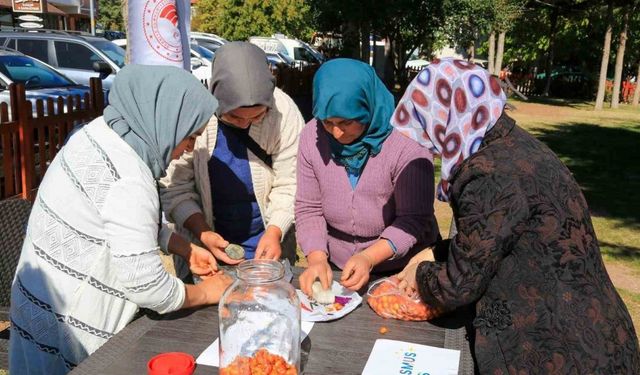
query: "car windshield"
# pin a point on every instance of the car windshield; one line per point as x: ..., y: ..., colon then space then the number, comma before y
x: 203, y: 51
x: 32, y: 73
x: 113, y: 52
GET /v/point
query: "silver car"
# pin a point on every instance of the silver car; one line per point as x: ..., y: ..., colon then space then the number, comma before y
x: 40, y: 80
x: 78, y: 56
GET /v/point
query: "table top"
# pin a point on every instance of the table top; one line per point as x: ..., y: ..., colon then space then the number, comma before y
x: 337, y: 347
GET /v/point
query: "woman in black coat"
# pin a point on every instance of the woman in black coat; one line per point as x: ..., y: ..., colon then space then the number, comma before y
x: 526, y: 256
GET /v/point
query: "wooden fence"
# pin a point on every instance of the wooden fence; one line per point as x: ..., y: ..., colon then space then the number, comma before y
x: 31, y: 137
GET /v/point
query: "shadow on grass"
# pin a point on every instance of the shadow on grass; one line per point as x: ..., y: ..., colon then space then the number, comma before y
x: 606, y: 163
x: 573, y: 103
x: 620, y: 252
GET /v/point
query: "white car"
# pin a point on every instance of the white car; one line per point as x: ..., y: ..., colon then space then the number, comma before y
x: 298, y: 50
x: 209, y: 41
x: 200, y: 65
x: 416, y: 63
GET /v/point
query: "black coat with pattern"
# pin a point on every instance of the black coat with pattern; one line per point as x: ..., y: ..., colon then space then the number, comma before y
x: 527, y: 257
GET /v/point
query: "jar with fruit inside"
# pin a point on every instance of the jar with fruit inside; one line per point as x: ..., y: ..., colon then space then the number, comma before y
x: 259, y: 319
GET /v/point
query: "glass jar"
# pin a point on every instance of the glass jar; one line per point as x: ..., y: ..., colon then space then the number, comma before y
x: 259, y: 319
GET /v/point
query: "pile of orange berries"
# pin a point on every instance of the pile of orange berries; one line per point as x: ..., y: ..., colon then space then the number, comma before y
x: 389, y: 302
x: 262, y: 363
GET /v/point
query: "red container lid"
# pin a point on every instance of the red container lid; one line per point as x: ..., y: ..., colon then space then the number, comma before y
x: 174, y: 363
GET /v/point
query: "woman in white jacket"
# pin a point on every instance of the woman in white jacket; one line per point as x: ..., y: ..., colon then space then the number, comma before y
x: 238, y: 184
x: 90, y: 258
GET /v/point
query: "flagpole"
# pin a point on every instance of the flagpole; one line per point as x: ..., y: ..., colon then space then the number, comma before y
x: 93, y: 18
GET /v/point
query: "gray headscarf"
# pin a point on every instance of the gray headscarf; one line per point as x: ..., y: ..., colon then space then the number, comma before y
x: 153, y: 108
x: 240, y: 77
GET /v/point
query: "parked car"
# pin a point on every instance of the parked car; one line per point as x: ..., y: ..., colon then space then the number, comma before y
x: 200, y: 65
x: 416, y: 62
x: 41, y: 81
x: 275, y: 59
x: 79, y: 56
x: 209, y: 41
x: 112, y: 34
x: 204, y: 53
x: 298, y: 50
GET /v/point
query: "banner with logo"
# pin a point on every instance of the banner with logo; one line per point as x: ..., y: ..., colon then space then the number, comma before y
x: 158, y: 33
x: 29, y: 6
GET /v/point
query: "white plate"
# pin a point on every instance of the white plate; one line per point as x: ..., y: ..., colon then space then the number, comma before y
x: 316, y: 312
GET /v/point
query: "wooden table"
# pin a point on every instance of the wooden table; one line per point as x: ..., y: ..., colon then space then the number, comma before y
x: 339, y: 347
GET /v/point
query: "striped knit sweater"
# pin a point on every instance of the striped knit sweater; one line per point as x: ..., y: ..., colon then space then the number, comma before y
x: 90, y: 257
x: 393, y: 199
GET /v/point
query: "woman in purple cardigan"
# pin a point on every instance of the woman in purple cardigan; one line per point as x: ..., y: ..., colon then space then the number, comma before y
x: 364, y: 199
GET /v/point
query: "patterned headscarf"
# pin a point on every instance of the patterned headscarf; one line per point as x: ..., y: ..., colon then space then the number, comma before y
x: 448, y: 108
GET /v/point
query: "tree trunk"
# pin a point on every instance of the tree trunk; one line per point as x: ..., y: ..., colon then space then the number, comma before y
x: 492, y: 51
x: 388, y: 63
x: 552, y: 41
x: 636, y: 92
x: 617, y: 79
x: 472, y: 53
x: 604, y: 64
x: 364, y: 42
x: 499, y: 55
x: 351, y: 38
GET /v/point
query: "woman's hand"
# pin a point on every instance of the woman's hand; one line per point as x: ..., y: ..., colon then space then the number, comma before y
x: 202, y: 262
x: 318, y: 268
x: 407, y: 278
x: 208, y: 292
x: 214, y: 286
x: 216, y: 244
x: 269, y: 244
x: 356, y: 272
x: 425, y: 255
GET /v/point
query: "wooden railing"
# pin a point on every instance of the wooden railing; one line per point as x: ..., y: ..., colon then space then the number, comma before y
x: 30, y: 139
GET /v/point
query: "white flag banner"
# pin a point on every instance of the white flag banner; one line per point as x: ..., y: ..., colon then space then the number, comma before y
x: 155, y: 33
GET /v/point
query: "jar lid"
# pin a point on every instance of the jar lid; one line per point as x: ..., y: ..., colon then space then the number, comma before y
x: 174, y: 363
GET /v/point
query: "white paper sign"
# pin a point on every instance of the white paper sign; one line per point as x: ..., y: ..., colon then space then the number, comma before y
x: 211, y: 355
x: 390, y: 357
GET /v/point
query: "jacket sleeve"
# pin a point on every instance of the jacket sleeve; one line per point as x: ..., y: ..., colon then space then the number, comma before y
x: 413, y: 196
x: 178, y: 193
x: 131, y: 221
x: 280, y: 209
x: 488, y: 212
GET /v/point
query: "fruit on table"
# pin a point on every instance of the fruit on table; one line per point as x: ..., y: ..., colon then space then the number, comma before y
x: 383, y: 330
x: 262, y: 363
x: 389, y: 302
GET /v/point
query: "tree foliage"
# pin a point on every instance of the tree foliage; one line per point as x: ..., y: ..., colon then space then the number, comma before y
x: 110, y: 15
x: 238, y: 20
x: 405, y: 24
